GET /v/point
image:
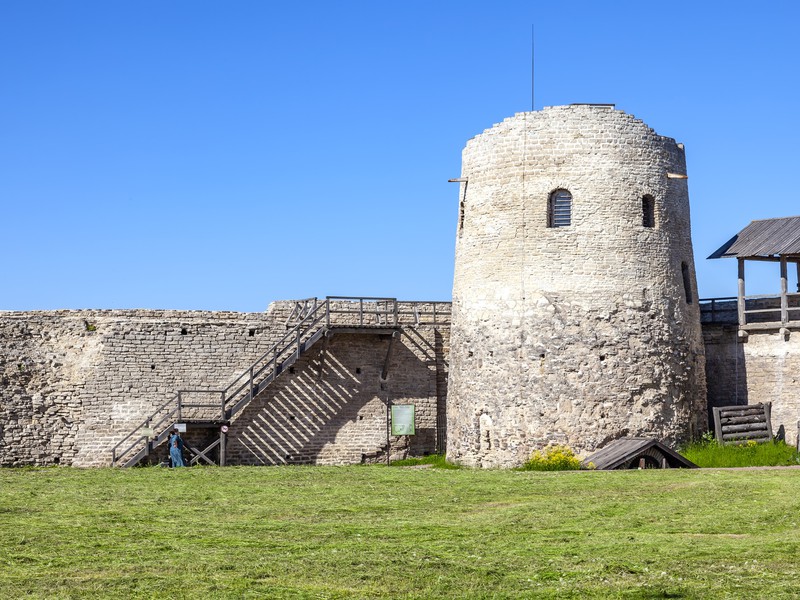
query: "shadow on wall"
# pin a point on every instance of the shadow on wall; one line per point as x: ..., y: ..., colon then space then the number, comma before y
x: 331, y: 406
x: 726, y: 370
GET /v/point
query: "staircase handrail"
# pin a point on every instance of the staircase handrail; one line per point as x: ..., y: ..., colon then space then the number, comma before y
x: 313, y: 315
x: 301, y: 309
x: 292, y: 339
x: 389, y: 313
x: 146, y: 424
x: 270, y: 359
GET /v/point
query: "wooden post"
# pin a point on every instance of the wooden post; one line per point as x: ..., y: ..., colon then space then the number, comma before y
x: 797, y: 264
x: 784, y: 289
x: 742, y: 319
x: 388, y: 431
x: 222, y: 443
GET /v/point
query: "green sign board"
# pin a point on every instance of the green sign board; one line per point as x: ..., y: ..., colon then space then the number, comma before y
x: 403, y: 419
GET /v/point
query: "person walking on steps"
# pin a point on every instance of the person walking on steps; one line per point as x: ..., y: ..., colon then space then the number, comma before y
x: 176, y: 440
x: 175, y: 454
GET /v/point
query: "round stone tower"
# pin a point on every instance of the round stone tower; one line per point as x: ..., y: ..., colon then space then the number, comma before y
x: 575, y: 315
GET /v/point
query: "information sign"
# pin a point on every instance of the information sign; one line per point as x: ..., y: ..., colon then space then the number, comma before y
x: 403, y: 419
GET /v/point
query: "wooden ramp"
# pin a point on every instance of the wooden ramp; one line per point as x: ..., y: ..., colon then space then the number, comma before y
x: 637, y: 453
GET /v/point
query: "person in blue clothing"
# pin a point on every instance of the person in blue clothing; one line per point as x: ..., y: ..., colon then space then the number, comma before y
x: 175, y: 440
x: 175, y: 454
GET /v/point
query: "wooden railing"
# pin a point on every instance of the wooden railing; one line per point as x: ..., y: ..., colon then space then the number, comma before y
x: 307, y: 322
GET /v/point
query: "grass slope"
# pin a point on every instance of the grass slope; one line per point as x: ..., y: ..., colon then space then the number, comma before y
x: 373, y: 532
x: 712, y: 454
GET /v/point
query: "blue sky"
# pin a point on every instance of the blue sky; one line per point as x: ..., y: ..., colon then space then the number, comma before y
x: 210, y: 155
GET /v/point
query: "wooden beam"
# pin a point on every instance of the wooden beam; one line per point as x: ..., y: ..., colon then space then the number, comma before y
x: 761, y: 258
x: 798, y: 277
x: 742, y: 320
x: 784, y: 298
x: 385, y: 371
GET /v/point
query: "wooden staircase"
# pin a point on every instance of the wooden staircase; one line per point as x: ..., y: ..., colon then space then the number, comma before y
x: 310, y: 321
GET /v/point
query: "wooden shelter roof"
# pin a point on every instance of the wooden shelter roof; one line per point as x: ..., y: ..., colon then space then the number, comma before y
x: 620, y: 452
x: 764, y: 238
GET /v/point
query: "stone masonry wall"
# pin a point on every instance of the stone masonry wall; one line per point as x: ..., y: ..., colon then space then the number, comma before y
x: 75, y: 382
x: 578, y: 334
x: 332, y: 409
x: 766, y: 365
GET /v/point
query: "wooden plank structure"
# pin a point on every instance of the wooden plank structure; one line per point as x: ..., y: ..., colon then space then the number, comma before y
x: 310, y: 321
x: 637, y: 453
x: 771, y: 240
x: 743, y: 423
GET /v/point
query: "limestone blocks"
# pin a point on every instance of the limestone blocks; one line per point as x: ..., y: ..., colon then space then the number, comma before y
x: 575, y: 316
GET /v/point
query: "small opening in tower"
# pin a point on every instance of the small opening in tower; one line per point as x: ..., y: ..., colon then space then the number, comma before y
x: 291, y: 369
x: 687, y: 283
x: 183, y: 331
x: 559, y: 213
x: 152, y: 367
x: 648, y: 211
x: 251, y: 333
x: 358, y: 370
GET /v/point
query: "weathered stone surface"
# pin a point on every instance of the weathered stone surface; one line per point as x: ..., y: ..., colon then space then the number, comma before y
x: 73, y: 383
x: 577, y: 334
x: 764, y: 366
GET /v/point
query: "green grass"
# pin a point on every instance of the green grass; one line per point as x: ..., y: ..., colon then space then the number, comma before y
x: 437, y: 461
x: 378, y: 532
x: 711, y: 454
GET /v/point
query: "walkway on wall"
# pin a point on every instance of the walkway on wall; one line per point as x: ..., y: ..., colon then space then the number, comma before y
x: 310, y: 321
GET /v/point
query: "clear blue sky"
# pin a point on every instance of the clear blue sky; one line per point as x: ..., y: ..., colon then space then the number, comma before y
x: 221, y: 155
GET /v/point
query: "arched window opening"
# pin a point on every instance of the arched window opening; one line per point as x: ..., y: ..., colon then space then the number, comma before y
x: 560, y: 209
x: 687, y: 283
x: 648, y: 211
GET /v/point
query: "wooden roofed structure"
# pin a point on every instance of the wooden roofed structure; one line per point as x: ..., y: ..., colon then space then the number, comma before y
x: 770, y: 240
x: 636, y: 453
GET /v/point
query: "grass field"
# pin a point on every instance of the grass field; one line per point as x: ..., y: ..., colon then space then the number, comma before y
x: 710, y: 454
x: 373, y: 532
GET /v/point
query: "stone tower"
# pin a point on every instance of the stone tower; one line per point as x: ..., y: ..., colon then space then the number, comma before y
x: 575, y: 315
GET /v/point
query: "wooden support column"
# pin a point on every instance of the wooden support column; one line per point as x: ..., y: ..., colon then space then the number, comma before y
x: 797, y: 264
x: 784, y: 290
x: 223, y: 440
x: 385, y: 370
x: 742, y: 320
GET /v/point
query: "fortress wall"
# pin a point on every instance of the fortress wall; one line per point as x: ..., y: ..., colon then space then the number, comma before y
x: 768, y: 370
x: 333, y: 408
x: 726, y: 375
x: 75, y: 382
